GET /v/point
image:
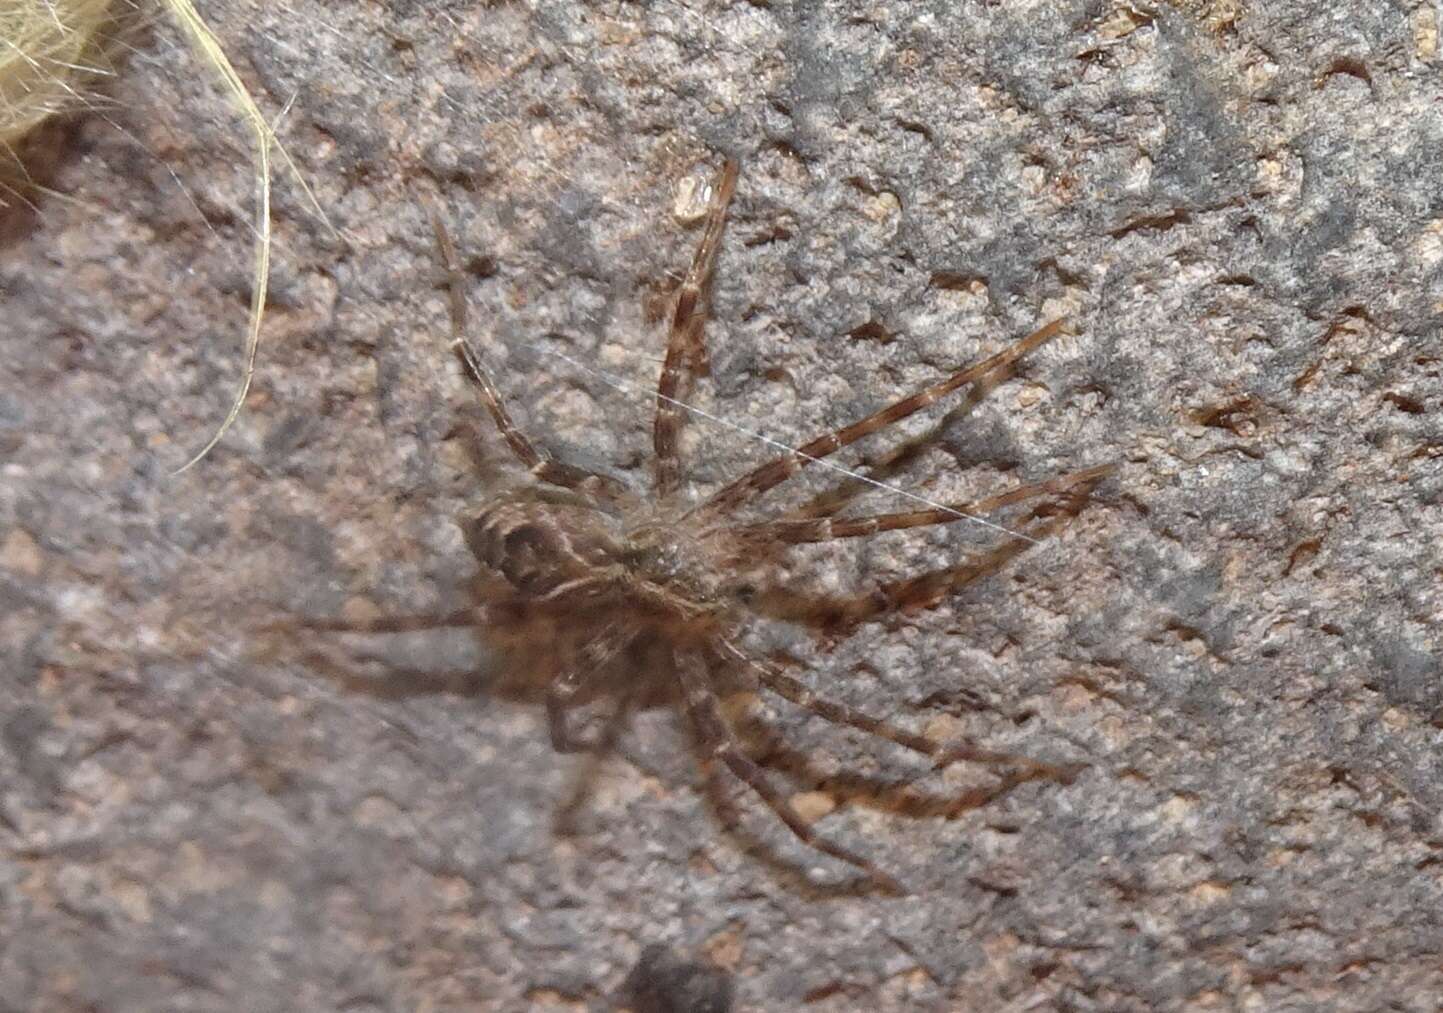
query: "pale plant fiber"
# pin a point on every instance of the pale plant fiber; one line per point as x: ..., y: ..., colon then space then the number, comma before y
x: 52, y: 50
x: 48, y: 51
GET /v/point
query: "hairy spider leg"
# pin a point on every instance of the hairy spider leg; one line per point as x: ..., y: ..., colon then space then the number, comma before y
x: 825, y: 529
x: 883, y: 464
x: 925, y: 590
x: 686, y: 347
x: 781, y: 468
x: 717, y: 743
x: 872, y: 468
x: 942, y: 754
x: 542, y: 466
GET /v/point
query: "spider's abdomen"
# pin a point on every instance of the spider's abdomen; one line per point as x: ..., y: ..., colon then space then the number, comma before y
x: 540, y: 546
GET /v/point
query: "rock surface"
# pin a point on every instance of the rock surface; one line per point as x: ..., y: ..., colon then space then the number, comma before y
x: 1238, y: 206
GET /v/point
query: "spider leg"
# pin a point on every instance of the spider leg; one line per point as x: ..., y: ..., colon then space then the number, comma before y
x: 919, y: 592
x: 565, y: 740
x: 795, y: 530
x: 685, y: 349
x: 874, y: 468
x: 715, y: 737
x: 926, y: 590
x: 838, y: 713
x: 779, y: 469
x: 541, y: 465
x: 885, y: 463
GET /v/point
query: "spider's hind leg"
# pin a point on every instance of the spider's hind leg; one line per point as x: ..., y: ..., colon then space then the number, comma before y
x: 576, y: 672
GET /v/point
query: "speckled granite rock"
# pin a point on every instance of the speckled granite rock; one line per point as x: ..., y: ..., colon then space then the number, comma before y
x: 1240, y: 207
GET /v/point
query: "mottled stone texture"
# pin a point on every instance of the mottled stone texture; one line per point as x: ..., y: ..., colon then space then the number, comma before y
x: 1240, y: 208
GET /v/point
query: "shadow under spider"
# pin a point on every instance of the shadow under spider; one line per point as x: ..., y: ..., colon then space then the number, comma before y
x: 605, y: 594
x: 896, y: 793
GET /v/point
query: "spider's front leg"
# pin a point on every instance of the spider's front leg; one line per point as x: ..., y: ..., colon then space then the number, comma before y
x: 685, y: 350
x: 982, y: 376
x: 798, y: 529
x: 839, y: 614
x: 542, y: 465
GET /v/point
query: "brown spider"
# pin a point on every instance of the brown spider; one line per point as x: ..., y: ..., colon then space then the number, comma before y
x: 609, y: 592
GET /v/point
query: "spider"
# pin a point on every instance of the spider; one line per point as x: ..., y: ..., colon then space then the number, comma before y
x: 611, y: 593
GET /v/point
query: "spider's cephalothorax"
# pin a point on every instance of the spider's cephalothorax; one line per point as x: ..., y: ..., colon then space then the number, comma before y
x: 608, y: 593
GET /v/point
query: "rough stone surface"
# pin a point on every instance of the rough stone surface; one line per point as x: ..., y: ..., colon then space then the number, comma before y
x: 1239, y: 206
